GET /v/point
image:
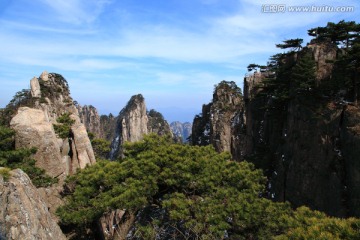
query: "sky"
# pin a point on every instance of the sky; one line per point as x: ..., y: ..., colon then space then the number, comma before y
x: 173, y: 52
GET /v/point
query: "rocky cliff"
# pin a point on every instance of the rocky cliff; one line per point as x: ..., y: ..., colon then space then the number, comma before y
x: 181, y: 130
x: 46, y: 118
x: 91, y: 119
x: 134, y: 122
x: 34, y: 126
x: 23, y: 212
x: 102, y: 126
x: 221, y: 122
x: 302, y: 131
x: 299, y: 141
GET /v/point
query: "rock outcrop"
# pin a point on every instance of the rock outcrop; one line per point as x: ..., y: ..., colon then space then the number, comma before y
x: 131, y: 124
x: 34, y: 128
x: 181, y: 130
x: 134, y: 122
x: 91, y: 119
x: 306, y: 139
x: 157, y: 123
x: 103, y: 126
x: 221, y: 122
x: 35, y: 87
x: 23, y: 212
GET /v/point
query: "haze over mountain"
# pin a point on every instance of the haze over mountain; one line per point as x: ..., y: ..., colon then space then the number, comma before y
x: 172, y: 52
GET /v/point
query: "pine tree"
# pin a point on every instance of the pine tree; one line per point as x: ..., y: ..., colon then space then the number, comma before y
x: 21, y: 158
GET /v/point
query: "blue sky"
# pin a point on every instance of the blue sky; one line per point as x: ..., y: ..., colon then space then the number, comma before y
x: 171, y: 51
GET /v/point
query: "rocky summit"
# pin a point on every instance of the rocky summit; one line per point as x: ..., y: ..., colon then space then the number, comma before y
x: 134, y: 122
x: 34, y: 125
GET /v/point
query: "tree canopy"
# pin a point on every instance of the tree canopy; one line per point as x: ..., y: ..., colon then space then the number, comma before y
x: 182, y: 192
x: 294, y: 44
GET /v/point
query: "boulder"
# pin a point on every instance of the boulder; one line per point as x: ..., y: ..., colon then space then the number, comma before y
x: 32, y: 130
x: 23, y: 213
x: 35, y: 87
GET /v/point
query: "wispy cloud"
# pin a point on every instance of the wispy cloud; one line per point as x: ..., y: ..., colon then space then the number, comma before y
x: 113, y: 49
x: 77, y: 11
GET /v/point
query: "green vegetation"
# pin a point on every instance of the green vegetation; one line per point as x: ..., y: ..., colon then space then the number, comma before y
x: 100, y: 146
x: 303, y: 73
x: 294, y: 71
x: 189, y: 192
x: 5, y: 173
x: 63, y: 128
x: 20, y: 99
x: 294, y: 44
x: 53, y: 89
x: 307, y: 224
x: 21, y: 158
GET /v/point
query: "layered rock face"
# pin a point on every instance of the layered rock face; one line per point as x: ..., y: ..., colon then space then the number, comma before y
x: 181, y: 130
x: 91, y: 119
x: 103, y: 126
x: 221, y: 122
x: 34, y: 128
x: 23, y: 212
x: 134, y: 122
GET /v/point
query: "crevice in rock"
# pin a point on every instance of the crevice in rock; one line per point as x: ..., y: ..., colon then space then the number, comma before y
x: 342, y: 162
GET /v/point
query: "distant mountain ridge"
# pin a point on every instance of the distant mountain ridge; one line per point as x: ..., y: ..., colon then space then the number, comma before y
x: 181, y: 130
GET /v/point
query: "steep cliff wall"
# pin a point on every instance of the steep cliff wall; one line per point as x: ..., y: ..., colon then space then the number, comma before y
x: 300, y: 142
x: 23, y: 212
x: 221, y: 122
x: 134, y: 122
x: 303, y: 134
x: 91, y: 119
x: 103, y: 126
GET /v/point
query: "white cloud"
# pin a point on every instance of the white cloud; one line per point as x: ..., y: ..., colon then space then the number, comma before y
x: 111, y: 64
x: 77, y: 11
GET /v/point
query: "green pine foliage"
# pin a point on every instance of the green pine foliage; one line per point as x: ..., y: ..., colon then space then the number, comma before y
x: 63, y: 127
x: 294, y: 44
x: 201, y: 194
x: 5, y: 173
x: 100, y: 146
x: 308, y: 224
x: 303, y: 73
x: 20, y: 99
x: 21, y: 158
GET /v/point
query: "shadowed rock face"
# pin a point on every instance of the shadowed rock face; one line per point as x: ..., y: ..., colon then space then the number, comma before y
x: 221, y: 122
x: 23, y: 212
x: 308, y: 147
x: 304, y: 146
